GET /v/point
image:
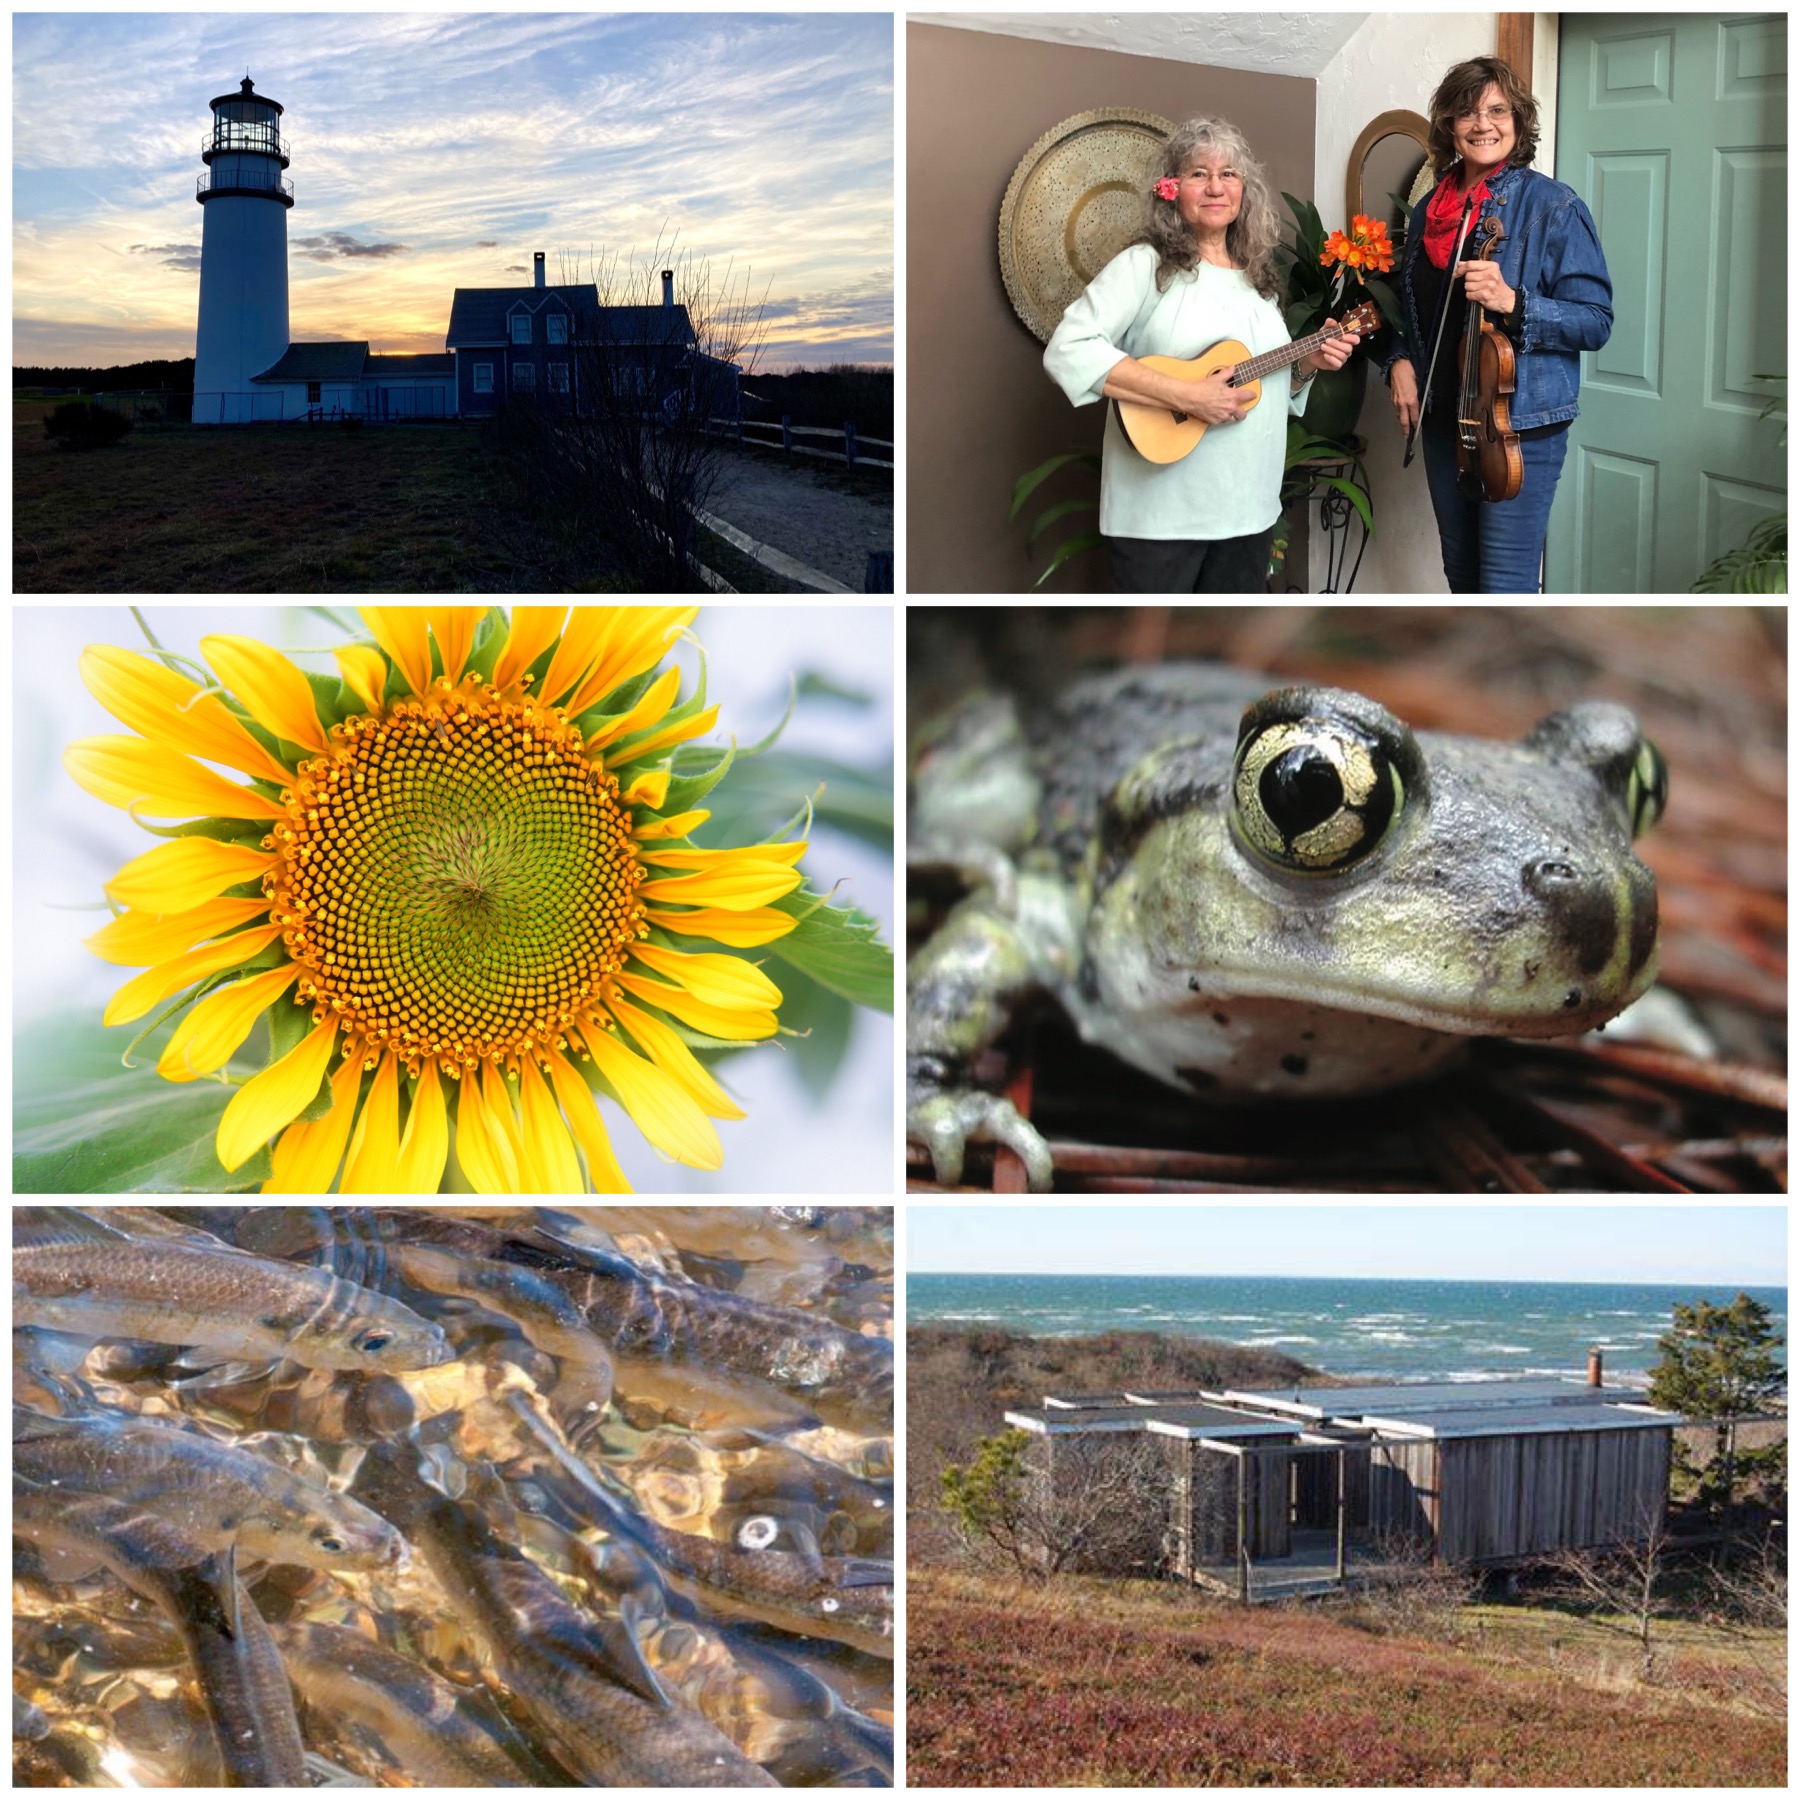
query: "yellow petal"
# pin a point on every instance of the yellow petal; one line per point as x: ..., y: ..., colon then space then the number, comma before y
x: 711, y: 976
x: 534, y: 630
x: 575, y: 651
x: 212, y: 1030
x: 143, y: 991
x: 545, y: 1137
x: 664, y: 1048
x: 483, y: 1146
x: 126, y: 771
x: 698, y: 726
x: 678, y: 856
x: 268, y: 1101
x: 737, y: 887
x: 454, y: 629
x: 742, y: 930
x: 604, y: 1174
x: 730, y: 1022
x: 650, y: 789
x: 639, y: 638
x: 184, y: 872
x: 140, y: 939
x: 426, y: 1142
x: 401, y: 632
x: 676, y: 825
x: 656, y: 700
x: 365, y: 673
x: 160, y: 704
x: 375, y: 1149
x: 307, y: 1155
x: 275, y: 693
x: 657, y: 1105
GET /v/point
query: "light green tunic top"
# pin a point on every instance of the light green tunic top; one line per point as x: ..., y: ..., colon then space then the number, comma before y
x: 1229, y: 484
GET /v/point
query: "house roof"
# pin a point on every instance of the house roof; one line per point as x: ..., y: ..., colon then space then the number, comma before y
x: 1408, y: 1399
x: 1506, y: 1421
x: 426, y: 362
x: 479, y: 315
x: 319, y: 362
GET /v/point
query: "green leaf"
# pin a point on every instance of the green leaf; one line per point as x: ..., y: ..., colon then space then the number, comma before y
x: 334, y: 701
x: 1353, y: 494
x: 82, y: 1124
x: 1084, y: 540
x: 1061, y: 510
x: 822, y: 1022
x: 289, y: 1023
x: 686, y: 790
x: 813, y: 685
x: 840, y: 948
x: 490, y: 638
x: 1033, y: 479
x: 762, y: 793
x: 1384, y: 297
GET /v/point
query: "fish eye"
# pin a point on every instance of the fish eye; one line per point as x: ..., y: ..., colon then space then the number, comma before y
x: 376, y: 1338
x: 758, y: 1533
x: 1313, y: 794
x: 329, y: 1540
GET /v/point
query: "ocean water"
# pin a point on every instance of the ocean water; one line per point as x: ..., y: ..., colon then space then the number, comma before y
x: 1390, y: 1330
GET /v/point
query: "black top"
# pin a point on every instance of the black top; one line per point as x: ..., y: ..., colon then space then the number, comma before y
x: 1446, y: 380
x: 246, y: 91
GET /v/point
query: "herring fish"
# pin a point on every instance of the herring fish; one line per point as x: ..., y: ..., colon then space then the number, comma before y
x: 243, y: 1686
x: 218, y: 1494
x: 74, y: 1272
x: 29, y: 1722
x: 420, y: 1719
x: 600, y: 1710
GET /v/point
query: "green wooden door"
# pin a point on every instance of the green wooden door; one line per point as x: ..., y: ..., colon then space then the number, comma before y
x: 1673, y: 128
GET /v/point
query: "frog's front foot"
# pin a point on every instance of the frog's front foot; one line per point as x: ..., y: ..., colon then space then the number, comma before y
x: 981, y: 868
x: 947, y: 1119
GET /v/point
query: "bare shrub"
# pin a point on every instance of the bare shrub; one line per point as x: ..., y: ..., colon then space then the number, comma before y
x: 1400, y: 1591
x: 1621, y: 1589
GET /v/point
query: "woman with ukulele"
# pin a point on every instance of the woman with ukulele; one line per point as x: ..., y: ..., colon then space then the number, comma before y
x: 1203, y: 270
x: 1547, y: 289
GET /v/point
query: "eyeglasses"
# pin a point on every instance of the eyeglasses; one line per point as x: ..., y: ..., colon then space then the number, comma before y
x: 1495, y: 115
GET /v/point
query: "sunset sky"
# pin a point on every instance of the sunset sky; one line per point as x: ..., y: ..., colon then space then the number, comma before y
x: 435, y: 151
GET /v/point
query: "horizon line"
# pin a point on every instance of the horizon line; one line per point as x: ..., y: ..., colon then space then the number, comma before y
x: 1271, y: 1275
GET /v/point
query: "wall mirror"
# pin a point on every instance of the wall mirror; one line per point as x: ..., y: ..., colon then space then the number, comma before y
x: 1389, y: 158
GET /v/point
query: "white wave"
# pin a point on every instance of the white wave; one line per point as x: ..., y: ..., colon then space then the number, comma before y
x: 1279, y: 1339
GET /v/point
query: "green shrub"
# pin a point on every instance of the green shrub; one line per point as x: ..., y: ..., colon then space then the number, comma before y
x: 78, y: 426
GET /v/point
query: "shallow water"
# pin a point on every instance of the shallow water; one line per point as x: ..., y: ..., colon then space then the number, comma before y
x: 626, y: 1522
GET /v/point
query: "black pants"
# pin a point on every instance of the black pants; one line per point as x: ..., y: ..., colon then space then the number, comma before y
x: 1238, y: 565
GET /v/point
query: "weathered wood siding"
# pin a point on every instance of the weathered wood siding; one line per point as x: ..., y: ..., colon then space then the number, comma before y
x: 1529, y: 1495
x: 1212, y: 1505
x: 1403, y: 1493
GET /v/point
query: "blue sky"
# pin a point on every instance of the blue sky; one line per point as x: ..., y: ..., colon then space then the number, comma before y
x: 1695, y: 1243
x: 432, y: 151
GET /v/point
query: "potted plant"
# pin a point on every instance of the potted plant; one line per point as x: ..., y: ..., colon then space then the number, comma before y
x: 1325, y: 275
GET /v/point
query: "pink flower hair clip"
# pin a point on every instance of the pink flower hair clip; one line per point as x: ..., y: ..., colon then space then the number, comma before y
x: 1167, y: 188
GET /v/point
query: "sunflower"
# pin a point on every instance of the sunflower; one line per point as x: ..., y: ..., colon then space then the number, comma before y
x: 458, y: 881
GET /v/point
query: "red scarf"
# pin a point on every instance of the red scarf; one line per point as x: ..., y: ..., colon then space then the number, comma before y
x: 1443, y: 211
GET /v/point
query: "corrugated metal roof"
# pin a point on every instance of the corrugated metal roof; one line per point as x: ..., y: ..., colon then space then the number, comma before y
x: 319, y: 362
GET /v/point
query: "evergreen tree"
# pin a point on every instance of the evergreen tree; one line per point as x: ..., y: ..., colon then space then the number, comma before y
x: 1718, y: 1367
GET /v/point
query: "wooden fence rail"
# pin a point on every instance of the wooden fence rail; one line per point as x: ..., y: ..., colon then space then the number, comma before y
x: 850, y: 443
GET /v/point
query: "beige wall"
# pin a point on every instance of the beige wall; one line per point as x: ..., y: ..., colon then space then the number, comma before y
x: 980, y: 410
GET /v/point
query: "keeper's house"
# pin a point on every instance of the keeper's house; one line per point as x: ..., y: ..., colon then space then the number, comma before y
x: 1273, y: 1493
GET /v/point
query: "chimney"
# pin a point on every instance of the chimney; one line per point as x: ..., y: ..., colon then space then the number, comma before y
x: 668, y: 287
x: 537, y: 263
x: 1595, y: 1376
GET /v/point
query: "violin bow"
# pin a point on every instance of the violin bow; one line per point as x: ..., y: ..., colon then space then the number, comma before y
x: 1462, y: 237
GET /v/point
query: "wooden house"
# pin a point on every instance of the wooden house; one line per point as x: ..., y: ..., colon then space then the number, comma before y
x: 1273, y: 1492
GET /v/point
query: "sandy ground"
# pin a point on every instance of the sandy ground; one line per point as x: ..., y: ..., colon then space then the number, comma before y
x: 805, y: 512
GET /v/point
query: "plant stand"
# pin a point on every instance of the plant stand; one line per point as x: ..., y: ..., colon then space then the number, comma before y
x: 1336, y: 515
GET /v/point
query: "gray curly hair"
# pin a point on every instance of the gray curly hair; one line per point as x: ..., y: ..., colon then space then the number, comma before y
x: 1251, y: 237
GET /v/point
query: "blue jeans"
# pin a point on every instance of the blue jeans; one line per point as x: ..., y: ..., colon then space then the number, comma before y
x: 1493, y: 549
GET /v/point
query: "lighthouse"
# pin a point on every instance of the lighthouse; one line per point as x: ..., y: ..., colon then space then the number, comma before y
x: 243, y: 254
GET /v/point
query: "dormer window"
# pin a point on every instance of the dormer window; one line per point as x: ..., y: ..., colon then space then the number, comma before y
x: 521, y: 328
x: 556, y: 327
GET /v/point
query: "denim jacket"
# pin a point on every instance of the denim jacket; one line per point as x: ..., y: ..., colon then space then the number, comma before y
x: 1551, y: 256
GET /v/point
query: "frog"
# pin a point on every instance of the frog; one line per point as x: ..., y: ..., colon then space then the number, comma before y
x: 1265, y: 893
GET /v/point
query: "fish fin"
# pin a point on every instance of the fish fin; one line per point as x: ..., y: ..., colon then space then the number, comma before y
x: 36, y: 1227
x: 860, y: 1572
x: 626, y: 1664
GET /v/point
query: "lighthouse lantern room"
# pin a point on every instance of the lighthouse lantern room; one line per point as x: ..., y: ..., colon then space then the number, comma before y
x: 243, y: 255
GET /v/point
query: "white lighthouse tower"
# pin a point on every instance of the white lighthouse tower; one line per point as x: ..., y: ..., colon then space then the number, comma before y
x: 243, y: 255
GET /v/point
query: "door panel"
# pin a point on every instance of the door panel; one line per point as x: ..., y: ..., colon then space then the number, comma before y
x: 1673, y: 129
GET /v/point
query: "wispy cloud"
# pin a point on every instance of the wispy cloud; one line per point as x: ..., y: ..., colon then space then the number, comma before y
x: 431, y: 151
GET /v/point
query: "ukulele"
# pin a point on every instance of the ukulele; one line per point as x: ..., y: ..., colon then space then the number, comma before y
x: 1162, y: 435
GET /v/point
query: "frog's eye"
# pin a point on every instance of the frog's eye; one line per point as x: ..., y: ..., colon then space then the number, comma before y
x: 1313, y: 794
x: 1646, y: 788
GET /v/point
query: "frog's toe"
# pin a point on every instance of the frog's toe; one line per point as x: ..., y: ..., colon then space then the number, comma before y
x: 948, y: 1121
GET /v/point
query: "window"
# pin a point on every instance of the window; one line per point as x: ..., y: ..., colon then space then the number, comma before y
x: 559, y: 378
x: 521, y: 328
x: 484, y: 378
x: 556, y: 327
x: 524, y: 378
x: 312, y: 393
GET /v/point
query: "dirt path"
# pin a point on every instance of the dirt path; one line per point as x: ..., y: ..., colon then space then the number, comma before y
x: 812, y: 514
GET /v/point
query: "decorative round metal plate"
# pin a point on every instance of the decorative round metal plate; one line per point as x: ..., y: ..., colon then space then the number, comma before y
x: 1074, y: 202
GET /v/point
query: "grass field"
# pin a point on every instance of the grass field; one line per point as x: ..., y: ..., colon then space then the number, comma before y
x: 1129, y: 1684
x: 255, y: 510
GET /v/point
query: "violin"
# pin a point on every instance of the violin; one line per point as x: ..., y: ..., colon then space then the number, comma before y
x: 1489, y: 463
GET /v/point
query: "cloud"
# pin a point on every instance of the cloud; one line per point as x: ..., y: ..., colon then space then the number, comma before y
x: 341, y: 243
x: 172, y: 256
x: 487, y: 243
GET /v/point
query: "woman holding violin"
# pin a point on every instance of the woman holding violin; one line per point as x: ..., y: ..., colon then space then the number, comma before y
x: 1529, y: 293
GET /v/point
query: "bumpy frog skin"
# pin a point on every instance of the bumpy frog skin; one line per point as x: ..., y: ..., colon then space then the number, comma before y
x: 1258, y: 893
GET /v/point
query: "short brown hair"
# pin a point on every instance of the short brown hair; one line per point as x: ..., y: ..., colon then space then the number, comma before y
x: 1457, y: 94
